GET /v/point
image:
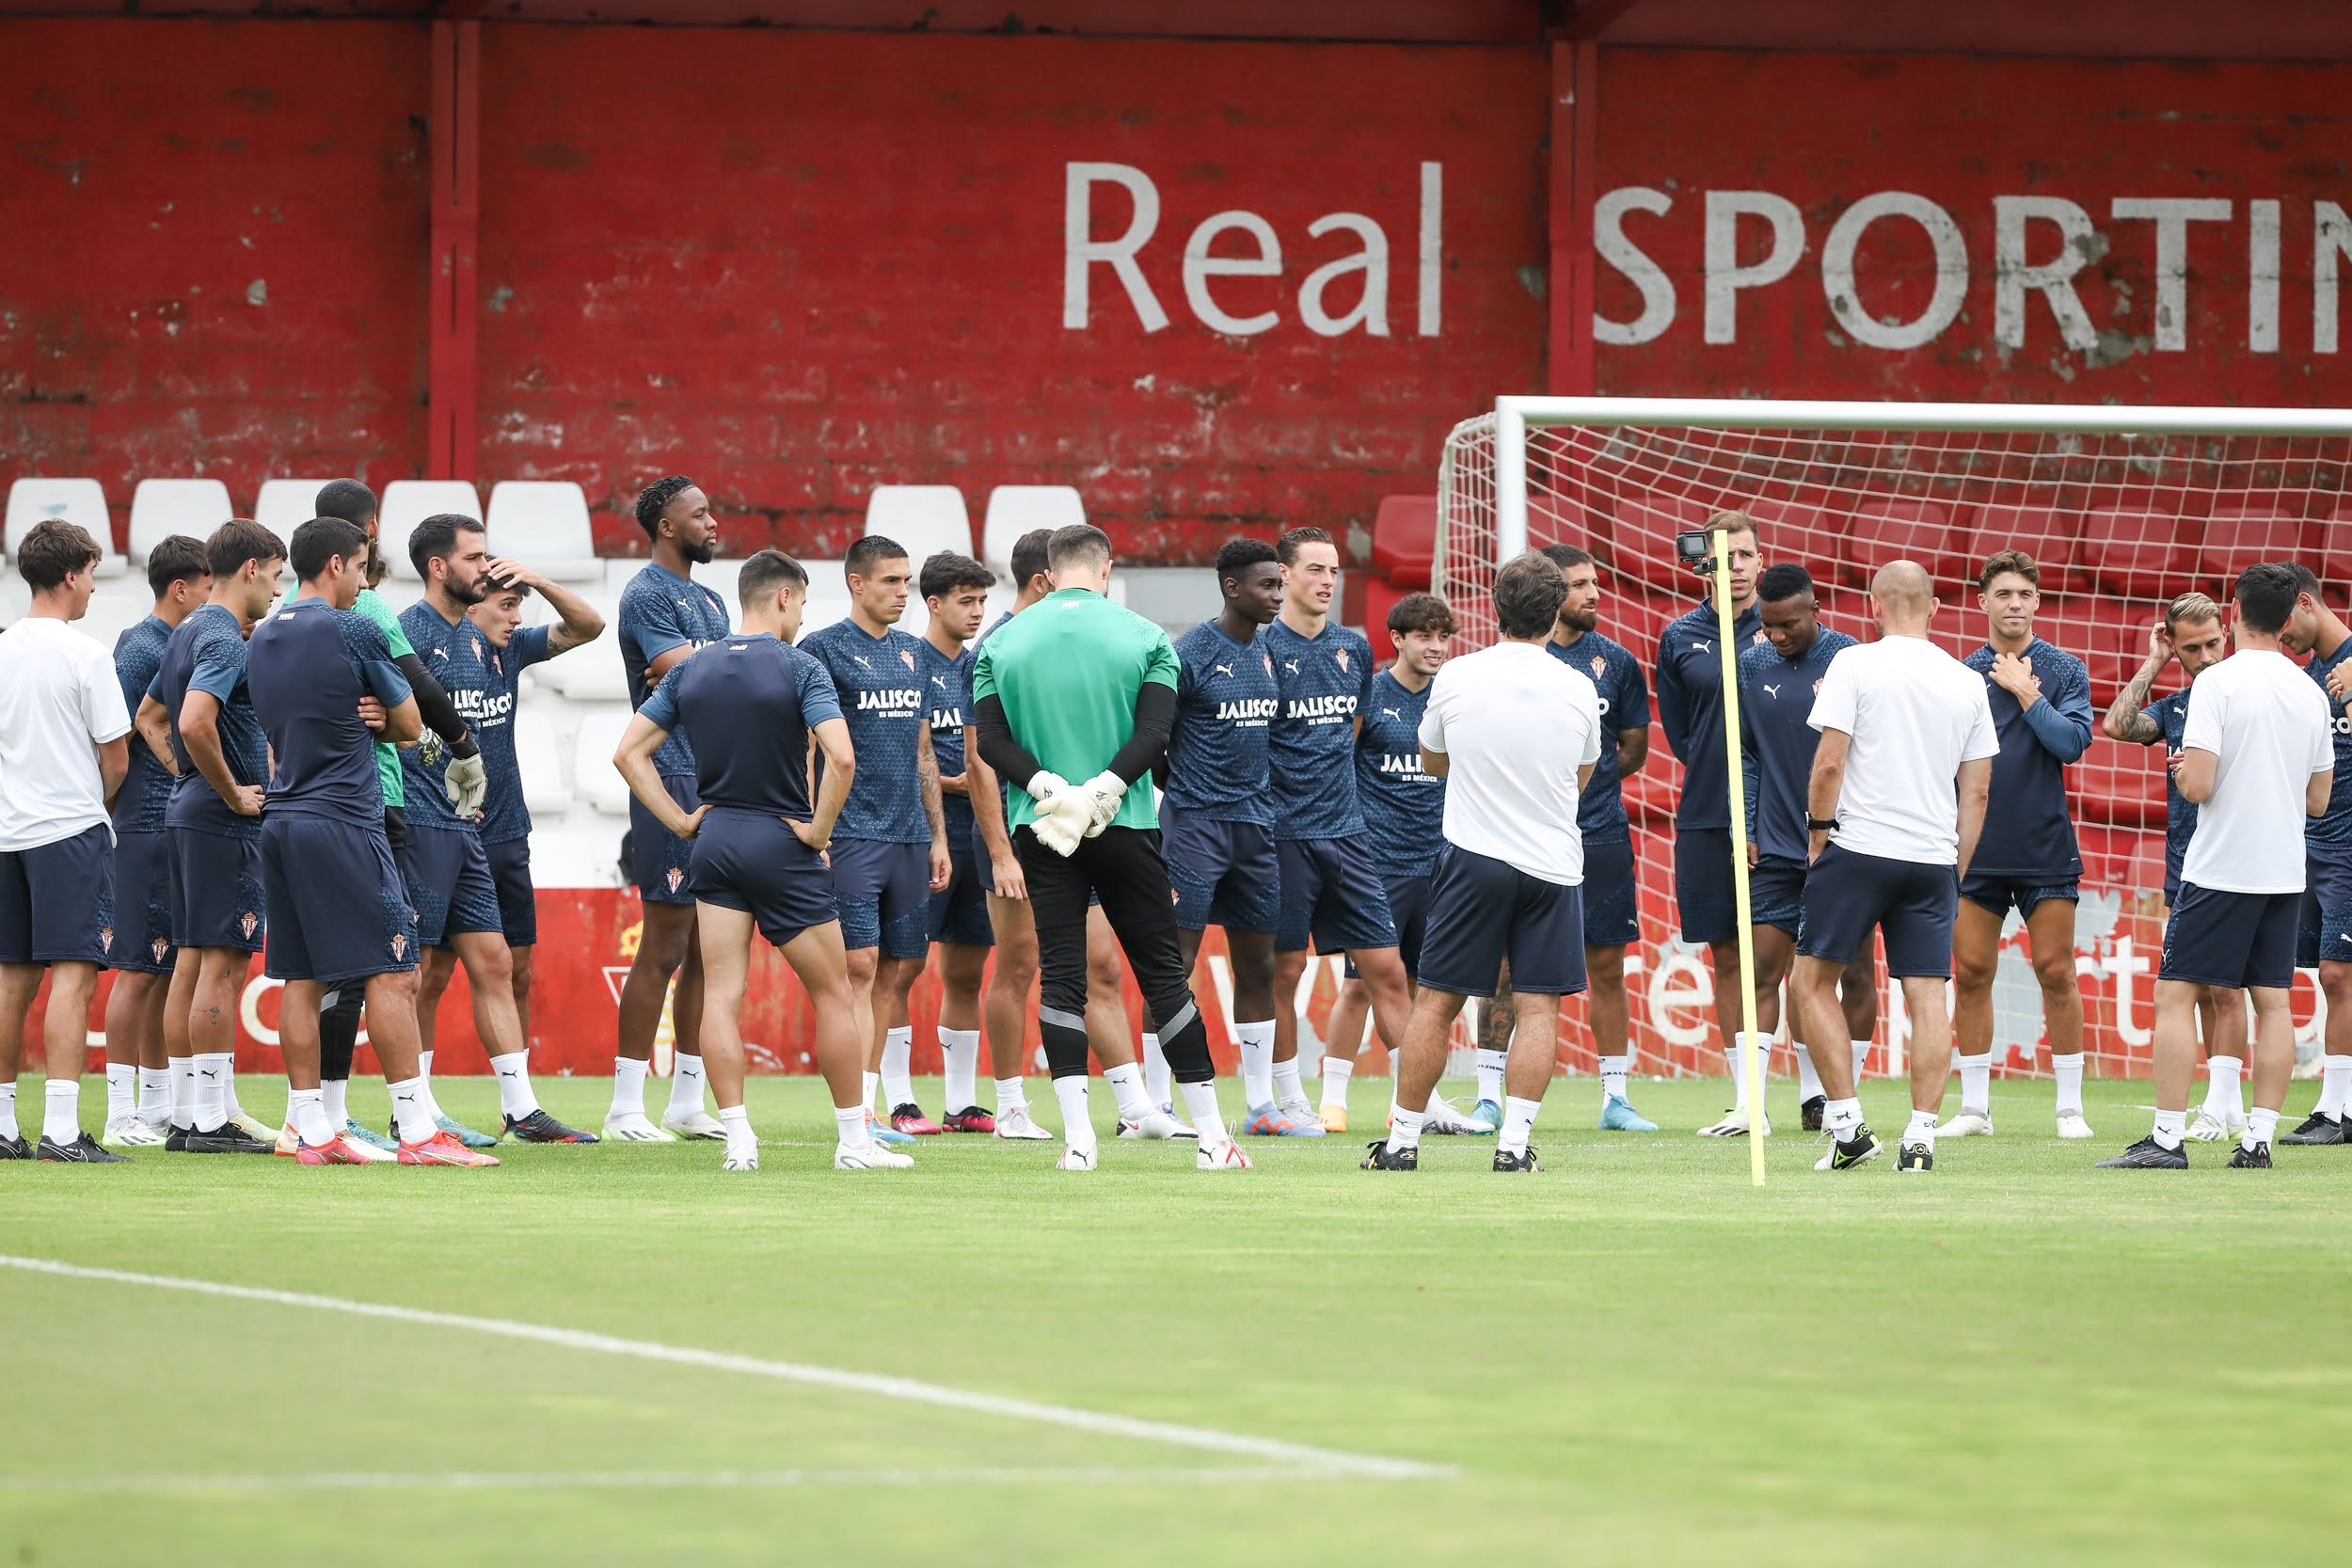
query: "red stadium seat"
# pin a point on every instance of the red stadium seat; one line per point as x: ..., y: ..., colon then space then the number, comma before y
x: 2331, y: 544
x: 2239, y: 534
x: 2138, y: 552
x: 2118, y: 784
x: 1404, y: 540
x: 1634, y: 616
x: 1642, y: 545
x: 2110, y: 637
x: 2050, y: 535
x: 1898, y: 528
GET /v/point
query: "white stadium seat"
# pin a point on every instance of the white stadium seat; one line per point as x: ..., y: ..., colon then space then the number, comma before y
x: 111, y: 614
x: 408, y: 503
x: 163, y: 507
x: 819, y: 613
x: 599, y: 782
x: 544, y: 524
x: 593, y: 674
x: 926, y: 518
x: 283, y: 506
x: 79, y: 502
x: 1014, y: 510
x: 542, y: 767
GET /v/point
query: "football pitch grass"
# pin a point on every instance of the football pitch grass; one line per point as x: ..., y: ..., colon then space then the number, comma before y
x: 1632, y: 1357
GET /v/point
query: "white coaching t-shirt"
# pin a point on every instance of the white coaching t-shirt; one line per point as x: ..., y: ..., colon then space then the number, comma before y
x: 1915, y: 714
x: 2267, y: 722
x: 1515, y: 724
x: 58, y: 699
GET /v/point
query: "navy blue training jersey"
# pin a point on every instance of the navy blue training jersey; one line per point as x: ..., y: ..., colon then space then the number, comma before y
x: 1616, y: 675
x: 2333, y: 830
x: 458, y: 655
x: 947, y: 688
x: 1322, y: 682
x: 505, y: 817
x: 146, y: 793
x: 878, y: 683
x: 2170, y: 715
x: 2029, y: 831
x: 1226, y: 701
x: 661, y: 611
x: 311, y: 664
x: 746, y: 709
x: 1776, y: 745
x: 206, y: 652
x: 1403, y: 805
x: 1690, y: 707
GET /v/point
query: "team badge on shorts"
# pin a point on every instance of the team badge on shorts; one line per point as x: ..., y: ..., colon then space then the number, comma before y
x: 106, y: 939
x: 158, y: 947
x: 399, y: 945
x: 246, y: 921
x: 674, y: 878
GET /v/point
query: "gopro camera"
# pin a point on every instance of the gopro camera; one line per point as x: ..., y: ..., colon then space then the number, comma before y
x: 1696, y: 549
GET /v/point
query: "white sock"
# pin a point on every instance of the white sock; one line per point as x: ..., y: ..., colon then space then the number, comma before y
x: 291, y: 1092
x: 1736, y: 1063
x: 514, y: 1074
x: 960, y: 1061
x: 2069, y: 1071
x: 2260, y: 1125
x: 1976, y: 1083
x: 183, y: 1101
x: 230, y: 1108
x: 1490, y: 1073
x: 336, y: 1093
x: 850, y: 1128
x: 1614, y: 1070
x: 424, y: 1082
x: 122, y: 1089
x: 1288, y: 1091
x: 686, y: 1087
x: 2335, y: 1083
x: 1842, y: 1119
x: 1201, y: 1109
x: 897, y: 1057
x: 1808, y: 1077
x: 1078, y: 1126
x: 1922, y: 1130
x: 61, y: 1112
x: 1012, y: 1095
x: 213, y: 1069
x: 2221, y: 1087
x: 306, y: 1110
x: 873, y: 1091
x: 1861, y: 1058
x: 629, y: 1088
x: 1157, y: 1082
x: 1257, y: 1062
x: 1127, y: 1088
x: 1518, y: 1120
x: 155, y: 1096
x: 1335, y: 1076
x: 425, y: 1065
x: 2171, y: 1128
x: 7, y: 1111
x: 1403, y: 1127
x: 412, y: 1109
x: 737, y: 1119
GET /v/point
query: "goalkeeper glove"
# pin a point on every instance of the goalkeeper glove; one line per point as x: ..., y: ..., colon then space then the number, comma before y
x: 466, y: 783
x: 1101, y: 793
x: 1061, y: 825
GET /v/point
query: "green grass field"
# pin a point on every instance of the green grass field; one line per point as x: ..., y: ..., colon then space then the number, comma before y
x: 1633, y: 1357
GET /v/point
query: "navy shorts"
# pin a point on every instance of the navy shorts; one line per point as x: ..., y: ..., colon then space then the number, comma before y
x: 958, y: 912
x: 519, y: 901
x: 1911, y: 905
x: 1483, y: 910
x: 343, y: 908
x: 1224, y: 873
x: 58, y: 901
x: 2232, y: 939
x: 1612, y: 914
x: 751, y: 862
x: 449, y: 886
x: 1408, y: 911
x: 142, y: 943
x: 657, y: 857
x: 1331, y: 892
x: 883, y: 894
x: 1776, y: 894
x: 1997, y: 892
x: 1705, y: 900
x: 2324, y: 918
x: 217, y: 899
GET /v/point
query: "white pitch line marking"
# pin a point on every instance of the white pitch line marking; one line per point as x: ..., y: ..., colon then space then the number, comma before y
x: 651, y: 1481
x: 1331, y: 1460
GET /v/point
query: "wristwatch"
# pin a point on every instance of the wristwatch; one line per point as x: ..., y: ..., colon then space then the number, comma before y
x: 1821, y: 824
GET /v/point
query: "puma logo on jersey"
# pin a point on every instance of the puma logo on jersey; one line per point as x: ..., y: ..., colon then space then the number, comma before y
x: 1771, y: 691
x: 1292, y: 665
x: 1225, y: 670
x: 860, y: 660
x: 1701, y: 644
x: 1393, y: 713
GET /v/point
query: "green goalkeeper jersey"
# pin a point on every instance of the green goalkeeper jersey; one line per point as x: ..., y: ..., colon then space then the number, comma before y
x: 371, y: 605
x: 1068, y: 670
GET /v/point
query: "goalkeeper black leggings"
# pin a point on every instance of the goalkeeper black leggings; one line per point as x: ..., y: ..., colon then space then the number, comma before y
x: 1123, y: 868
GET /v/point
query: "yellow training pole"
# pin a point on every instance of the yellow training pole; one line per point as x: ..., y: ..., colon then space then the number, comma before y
x: 1735, y: 773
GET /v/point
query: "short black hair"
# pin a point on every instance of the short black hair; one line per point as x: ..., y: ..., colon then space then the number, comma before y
x: 1529, y: 592
x: 1423, y: 612
x: 54, y: 551
x: 1784, y: 581
x: 766, y: 572
x: 321, y: 540
x: 945, y: 572
x: 436, y: 536
x: 347, y: 498
x: 866, y: 550
x: 2266, y: 597
x: 1077, y: 543
x: 2306, y: 580
x: 177, y: 559
x: 1286, y: 550
x: 1566, y: 556
x: 1029, y: 553
x: 1236, y: 556
x: 654, y: 498
x: 238, y: 541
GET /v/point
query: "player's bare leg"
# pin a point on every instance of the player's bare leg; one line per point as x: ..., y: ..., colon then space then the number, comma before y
x: 962, y: 970
x: 666, y: 947
x: 1342, y: 1049
x: 1004, y: 1013
x: 221, y: 974
x: 1724, y: 959
x: 1290, y: 969
x: 2221, y: 1023
x: 134, y: 1045
x: 64, y: 1034
x: 1110, y: 1034
x: 2051, y: 930
x: 2330, y: 1121
x: 1532, y: 1054
x: 498, y: 1023
x: 1976, y: 957
x: 1609, y: 1017
x: 894, y: 985
x: 179, y: 1047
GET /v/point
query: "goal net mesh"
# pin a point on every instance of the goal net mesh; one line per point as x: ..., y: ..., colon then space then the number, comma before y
x: 2117, y: 523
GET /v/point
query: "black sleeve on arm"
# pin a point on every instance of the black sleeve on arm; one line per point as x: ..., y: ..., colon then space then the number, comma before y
x: 1155, y: 720
x: 439, y: 714
x: 999, y: 749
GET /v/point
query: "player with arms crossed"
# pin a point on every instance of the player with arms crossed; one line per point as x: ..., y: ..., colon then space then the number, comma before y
x: 1508, y: 885
x: 752, y: 705
x: 1778, y: 681
x: 664, y: 616
x: 2258, y: 743
x: 2041, y: 701
x: 64, y: 753
x: 1896, y: 804
x: 1690, y: 709
x: 2191, y: 631
x: 2324, y: 937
